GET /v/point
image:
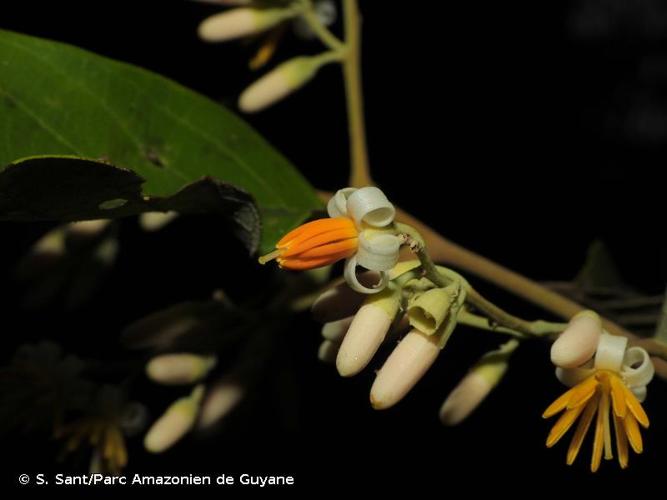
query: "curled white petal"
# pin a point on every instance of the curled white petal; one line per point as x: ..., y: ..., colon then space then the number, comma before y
x: 610, y: 353
x: 637, y: 368
x: 337, y: 206
x: 640, y: 393
x: 378, y: 252
x: 572, y: 376
x: 370, y: 205
x: 352, y: 280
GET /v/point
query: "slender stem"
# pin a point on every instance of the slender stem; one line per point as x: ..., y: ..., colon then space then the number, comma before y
x: 321, y: 31
x: 661, y: 330
x: 495, y: 313
x: 359, y: 169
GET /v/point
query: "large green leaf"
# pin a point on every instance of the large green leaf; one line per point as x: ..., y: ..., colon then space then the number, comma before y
x: 60, y: 100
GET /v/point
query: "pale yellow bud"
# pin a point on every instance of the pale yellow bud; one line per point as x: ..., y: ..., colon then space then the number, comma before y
x: 154, y: 221
x: 179, y: 369
x: 578, y: 343
x: 367, y: 331
x: 87, y: 228
x: 476, y: 385
x: 177, y: 421
x: 335, y: 330
x: 241, y: 22
x: 51, y: 244
x: 328, y: 351
x: 219, y: 402
x: 404, y: 367
x: 279, y: 83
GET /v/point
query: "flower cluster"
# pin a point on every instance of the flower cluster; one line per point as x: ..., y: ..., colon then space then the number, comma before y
x: 267, y: 21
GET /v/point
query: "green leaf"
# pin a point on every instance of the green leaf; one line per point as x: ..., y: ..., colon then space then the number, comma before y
x: 58, y: 100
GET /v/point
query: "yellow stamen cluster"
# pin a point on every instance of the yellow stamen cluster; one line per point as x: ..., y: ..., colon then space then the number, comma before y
x: 603, y: 394
x: 104, y: 437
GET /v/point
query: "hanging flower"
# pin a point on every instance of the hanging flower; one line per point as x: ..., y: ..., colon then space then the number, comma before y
x: 607, y: 388
x: 359, y: 229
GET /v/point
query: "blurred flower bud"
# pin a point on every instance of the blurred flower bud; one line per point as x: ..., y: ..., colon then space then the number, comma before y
x: 476, y: 385
x: 328, y: 351
x: 340, y: 301
x: 219, y: 402
x: 179, y: 369
x: 367, y: 331
x: 154, y: 221
x: 88, y: 228
x: 177, y: 421
x: 279, y: 83
x: 241, y: 22
x: 335, y: 330
x: 578, y: 343
x: 404, y: 367
x: 175, y: 325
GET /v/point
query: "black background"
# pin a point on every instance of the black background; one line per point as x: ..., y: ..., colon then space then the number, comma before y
x: 523, y: 131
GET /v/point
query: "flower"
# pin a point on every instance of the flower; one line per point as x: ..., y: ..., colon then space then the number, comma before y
x: 104, y: 427
x: 359, y: 229
x: 608, y: 387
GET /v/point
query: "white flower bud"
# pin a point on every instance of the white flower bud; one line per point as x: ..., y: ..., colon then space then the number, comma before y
x: 279, y: 83
x: 219, y: 402
x: 179, y: 369
x: 177, y: 421
x: 476, y: 385
x: 578, y: 343
x: 404, y: 367
x: 367, y: 331
x: 241, y: 22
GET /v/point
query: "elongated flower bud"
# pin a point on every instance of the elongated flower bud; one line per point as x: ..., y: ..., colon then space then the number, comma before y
x: 179, y: 369
x: 404, y: 367
x: 476, y: 385
x: 328, y: 351
x: 335, y: 330
x: 279, y: 83
x: 241, y: 22
x: 367, y: 331
x: 154, y: 221
x: 219, y: 402
x: 340, y: 301
x: 577, y: 344
x: 174, y: 423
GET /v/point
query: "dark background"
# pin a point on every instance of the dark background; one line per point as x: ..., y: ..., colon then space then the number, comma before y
x: 523, y: 131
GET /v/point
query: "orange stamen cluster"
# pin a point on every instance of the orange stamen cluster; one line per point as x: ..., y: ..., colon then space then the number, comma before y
x: 316, y: 244
x: 602, y: 393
